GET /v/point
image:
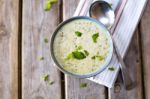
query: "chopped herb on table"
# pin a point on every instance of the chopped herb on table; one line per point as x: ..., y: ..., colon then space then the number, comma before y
x: 83, y: 85
x: 95, y: 37
x: 46, y: 40
x: 79, y: 34
x: 50, y: 82
x: 49, y: 4
x: 111, y: 68
x: 45, y: 77
x: 42, y: 58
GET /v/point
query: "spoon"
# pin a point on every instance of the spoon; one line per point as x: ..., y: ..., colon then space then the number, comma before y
x: 103, y: 12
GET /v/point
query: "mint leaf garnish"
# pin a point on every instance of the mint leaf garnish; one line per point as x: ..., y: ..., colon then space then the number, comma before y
x: 95, y: 37
x: 78, y: 55
x: 79, y: 34
x: 111, y: 68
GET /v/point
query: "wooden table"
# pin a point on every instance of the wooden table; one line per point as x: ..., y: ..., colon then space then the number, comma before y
x: 23, y: 27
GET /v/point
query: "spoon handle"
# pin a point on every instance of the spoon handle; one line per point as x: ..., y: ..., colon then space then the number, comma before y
x: 125, y: 74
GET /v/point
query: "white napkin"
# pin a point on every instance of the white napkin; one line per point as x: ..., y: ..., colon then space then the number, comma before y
x: 122, y: 30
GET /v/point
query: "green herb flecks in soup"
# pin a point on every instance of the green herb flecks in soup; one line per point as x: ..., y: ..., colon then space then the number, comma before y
x: 83, y: 48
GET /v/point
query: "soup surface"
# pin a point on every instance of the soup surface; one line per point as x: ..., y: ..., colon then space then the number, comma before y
x: 81, y: 46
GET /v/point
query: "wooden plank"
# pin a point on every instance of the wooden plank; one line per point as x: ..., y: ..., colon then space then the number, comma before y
x: 9, y: 49
x: 73, y: 90
x: 133, y: 62
x: 38, y: 25
x: 145, y: 41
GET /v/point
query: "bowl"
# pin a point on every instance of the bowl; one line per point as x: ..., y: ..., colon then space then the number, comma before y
x: 101, y: 68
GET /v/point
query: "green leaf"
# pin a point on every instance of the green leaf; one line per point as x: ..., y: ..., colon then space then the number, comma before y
x: 47, y: 6
x: 46, y: 40
x: 42, y: 58
x: 50, y: 82
x: 100, y: 58
x: 111, y: 68
x: 95, y: 37
x: 53, y: 1
x: 79, y: 47
x: 83, y: 85
x: 79, y: 34
x: 78, y: 55
x: 45, y: 77
x: 110, y: 4
x: 93, y: 57
x: 69, y: 56
x: 86, y: 52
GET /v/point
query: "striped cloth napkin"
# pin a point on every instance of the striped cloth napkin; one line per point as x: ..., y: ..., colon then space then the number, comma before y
x: 127, y: 17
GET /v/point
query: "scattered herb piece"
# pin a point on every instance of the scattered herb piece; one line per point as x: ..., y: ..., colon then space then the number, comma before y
x: 79, y: 34
x: 49, y: 4
x: 95, y: 37
x: 86, y: 52
x: 50, y: 82
x: 70, y: 56
x: 78, y: 55
x: 100, y: 58
x: 110, y: 4
x: 111, y: 68
x: 79, y: 47
x: 83, y: 85
x: 53, y: 1
x: 46, y: 40
x: 45, y: 77
x: 93, y: 57
x: 42, y: 58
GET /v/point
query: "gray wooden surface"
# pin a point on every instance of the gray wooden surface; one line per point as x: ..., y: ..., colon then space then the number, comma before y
x: 9, y: 17
x: 23, y: 27
x: 38, y: 25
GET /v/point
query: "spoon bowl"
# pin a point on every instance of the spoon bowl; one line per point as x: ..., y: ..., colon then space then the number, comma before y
x: 103, y: 12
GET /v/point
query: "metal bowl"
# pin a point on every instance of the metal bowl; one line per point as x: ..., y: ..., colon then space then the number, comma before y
x: 107, y: 61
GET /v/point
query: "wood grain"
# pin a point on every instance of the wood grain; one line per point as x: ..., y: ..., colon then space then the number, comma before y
x: 38, y: 25
x: 145, y: 40
x: 133, y: 62
x: 9, y: 49
x: 73, y: 90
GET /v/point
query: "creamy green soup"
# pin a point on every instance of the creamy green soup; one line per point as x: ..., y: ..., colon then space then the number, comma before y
x: 81, y: 46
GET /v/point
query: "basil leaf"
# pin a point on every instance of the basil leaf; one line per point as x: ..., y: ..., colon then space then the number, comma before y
x: 79, y: 34
x: 70, y: 56
x: 53, y: 1
x: 95, y: 37
x: 50, y: 82
x: 83, y: 85
x: 111, y: 68
x: 100, y: 58
x: 45, y: 77
x: 78, y: 55
x: 79, y: 48
x: 86, y: 52
x: 93, y: 57
x: 47, y: 6
x: 46, y: 40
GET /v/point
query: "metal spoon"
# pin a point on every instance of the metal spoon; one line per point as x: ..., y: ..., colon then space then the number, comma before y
x: 103, y: 12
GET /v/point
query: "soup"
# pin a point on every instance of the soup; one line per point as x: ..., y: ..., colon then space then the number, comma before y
x: 81, y: 46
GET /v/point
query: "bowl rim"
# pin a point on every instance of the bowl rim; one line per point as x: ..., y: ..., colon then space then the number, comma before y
x: 102, y: 68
